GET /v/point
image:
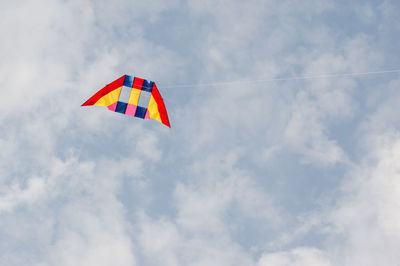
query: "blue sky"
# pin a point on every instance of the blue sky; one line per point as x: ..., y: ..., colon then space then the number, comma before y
x: 274, y: 173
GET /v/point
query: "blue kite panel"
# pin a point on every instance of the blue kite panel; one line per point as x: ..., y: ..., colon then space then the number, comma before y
x: 128, y: 81
x: 147, y: 86
x: 121, y: 107
x: 140, y: 112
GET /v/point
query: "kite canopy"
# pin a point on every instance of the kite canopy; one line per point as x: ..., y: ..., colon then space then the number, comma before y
x: 132, y: 96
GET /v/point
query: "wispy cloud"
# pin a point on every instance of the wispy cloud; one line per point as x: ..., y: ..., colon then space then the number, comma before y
x: 290, y: 172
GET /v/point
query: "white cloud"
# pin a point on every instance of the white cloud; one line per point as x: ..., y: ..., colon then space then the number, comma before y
x: 367, y: 219
x: 296, y: 257
x: 163, y: 241
x: 306, y: 133
x: 92, y: 233
x: 15, y: 195
x: 79, y: 186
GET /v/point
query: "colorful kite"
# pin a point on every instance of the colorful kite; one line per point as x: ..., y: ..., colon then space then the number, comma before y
x: 132, y: 96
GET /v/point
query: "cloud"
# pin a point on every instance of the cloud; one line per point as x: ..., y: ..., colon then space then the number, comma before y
x: 269, y: 173
x: 92, y: 233
x: 366, y: 220
x: 16, y: 195
x: 296, y: 257
x: 163, y: 241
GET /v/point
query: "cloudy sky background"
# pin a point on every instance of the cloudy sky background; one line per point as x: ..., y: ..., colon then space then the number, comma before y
x: 297, y: 172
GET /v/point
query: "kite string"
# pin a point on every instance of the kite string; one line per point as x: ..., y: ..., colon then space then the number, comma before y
x: 321, y: 76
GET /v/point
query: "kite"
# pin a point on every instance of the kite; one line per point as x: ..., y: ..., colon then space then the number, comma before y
x: 132, y: 96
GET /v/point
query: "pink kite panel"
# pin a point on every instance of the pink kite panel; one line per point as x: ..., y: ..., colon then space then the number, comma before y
x: 147, y: 115
x: 131, y: 110
x: 112, y: 107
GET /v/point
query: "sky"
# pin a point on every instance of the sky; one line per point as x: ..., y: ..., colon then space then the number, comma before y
x: 288, y: 172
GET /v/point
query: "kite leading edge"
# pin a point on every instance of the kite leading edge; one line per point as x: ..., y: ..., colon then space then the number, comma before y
x: 132, y: 96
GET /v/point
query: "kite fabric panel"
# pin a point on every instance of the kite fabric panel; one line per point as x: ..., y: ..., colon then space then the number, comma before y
x: 134, y: 97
